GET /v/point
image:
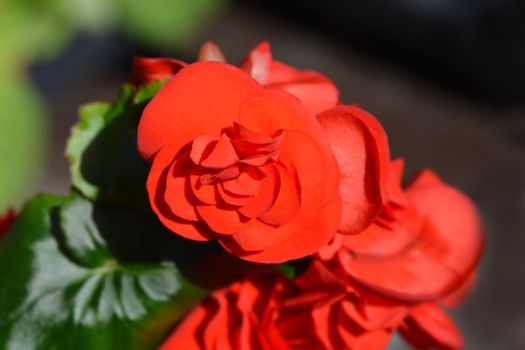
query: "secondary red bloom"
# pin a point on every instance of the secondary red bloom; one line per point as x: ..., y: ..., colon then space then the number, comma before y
x: 5, y: 222
x: 345, y: 315
x: 245, y: 165
x: 420, y: 252
x: 428, y: 238
x: 270, y: 313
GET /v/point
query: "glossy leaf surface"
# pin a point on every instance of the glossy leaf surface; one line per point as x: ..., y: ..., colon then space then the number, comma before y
x: 62, y: 288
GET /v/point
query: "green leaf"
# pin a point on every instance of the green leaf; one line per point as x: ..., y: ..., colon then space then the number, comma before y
x: 91, y: 122
x: 146, y: 92
x: 102, y: 149
x: 287, y: 270
x: 62, y: 288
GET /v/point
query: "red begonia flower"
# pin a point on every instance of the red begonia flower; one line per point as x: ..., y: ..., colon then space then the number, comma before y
x: 328, y: 285
x: 5, y: 222
x: 420, y: 251
x: 269, y: 313
x: 147, y: 70
x: 315, y: 91
x: 245, y: 165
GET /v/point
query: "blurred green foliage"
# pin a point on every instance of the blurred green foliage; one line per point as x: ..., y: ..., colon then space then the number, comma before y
x: 22, y: 136
x: 38, y: 30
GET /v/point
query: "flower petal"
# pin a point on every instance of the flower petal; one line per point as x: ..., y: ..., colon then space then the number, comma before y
x: 268, y: 190
x: 205, y: 192
x: 256, y: 237
x: 178, y: 192
x: 454, y: 216
x: 221, y: 156
x: 207, y: 326
x: 203, y: 98
x: 429, y: 327
x: 242, y: 185
x: 315, y: 91
x: 416, y: 274
x: 257, y: 63
x: 394, y: 190
x: 156, y: 185
x: 233, y: 199
x: 360, y: 147
x: 210, y: 51
x: 380, y: 241
x: 225, y: 220
x: 273, y: 110
x: 318, y: 219
x: 288, y: 200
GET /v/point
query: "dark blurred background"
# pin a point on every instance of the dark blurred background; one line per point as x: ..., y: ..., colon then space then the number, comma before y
x: 445, y: 77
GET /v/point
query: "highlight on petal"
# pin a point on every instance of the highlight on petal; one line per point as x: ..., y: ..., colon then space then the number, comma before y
x: 257, y: 63
x: 210, y: 51
x: 361, y: 151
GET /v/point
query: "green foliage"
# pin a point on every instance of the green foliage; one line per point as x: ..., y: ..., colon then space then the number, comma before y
x: 92, y: 120
x: 175, y: 21
x: 22, y: 135
x: 105, y: 164
x: 39, y: 29
x: 62, y: 287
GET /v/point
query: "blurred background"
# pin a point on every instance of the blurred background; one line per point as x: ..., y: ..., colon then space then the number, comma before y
x: 445, y: 77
